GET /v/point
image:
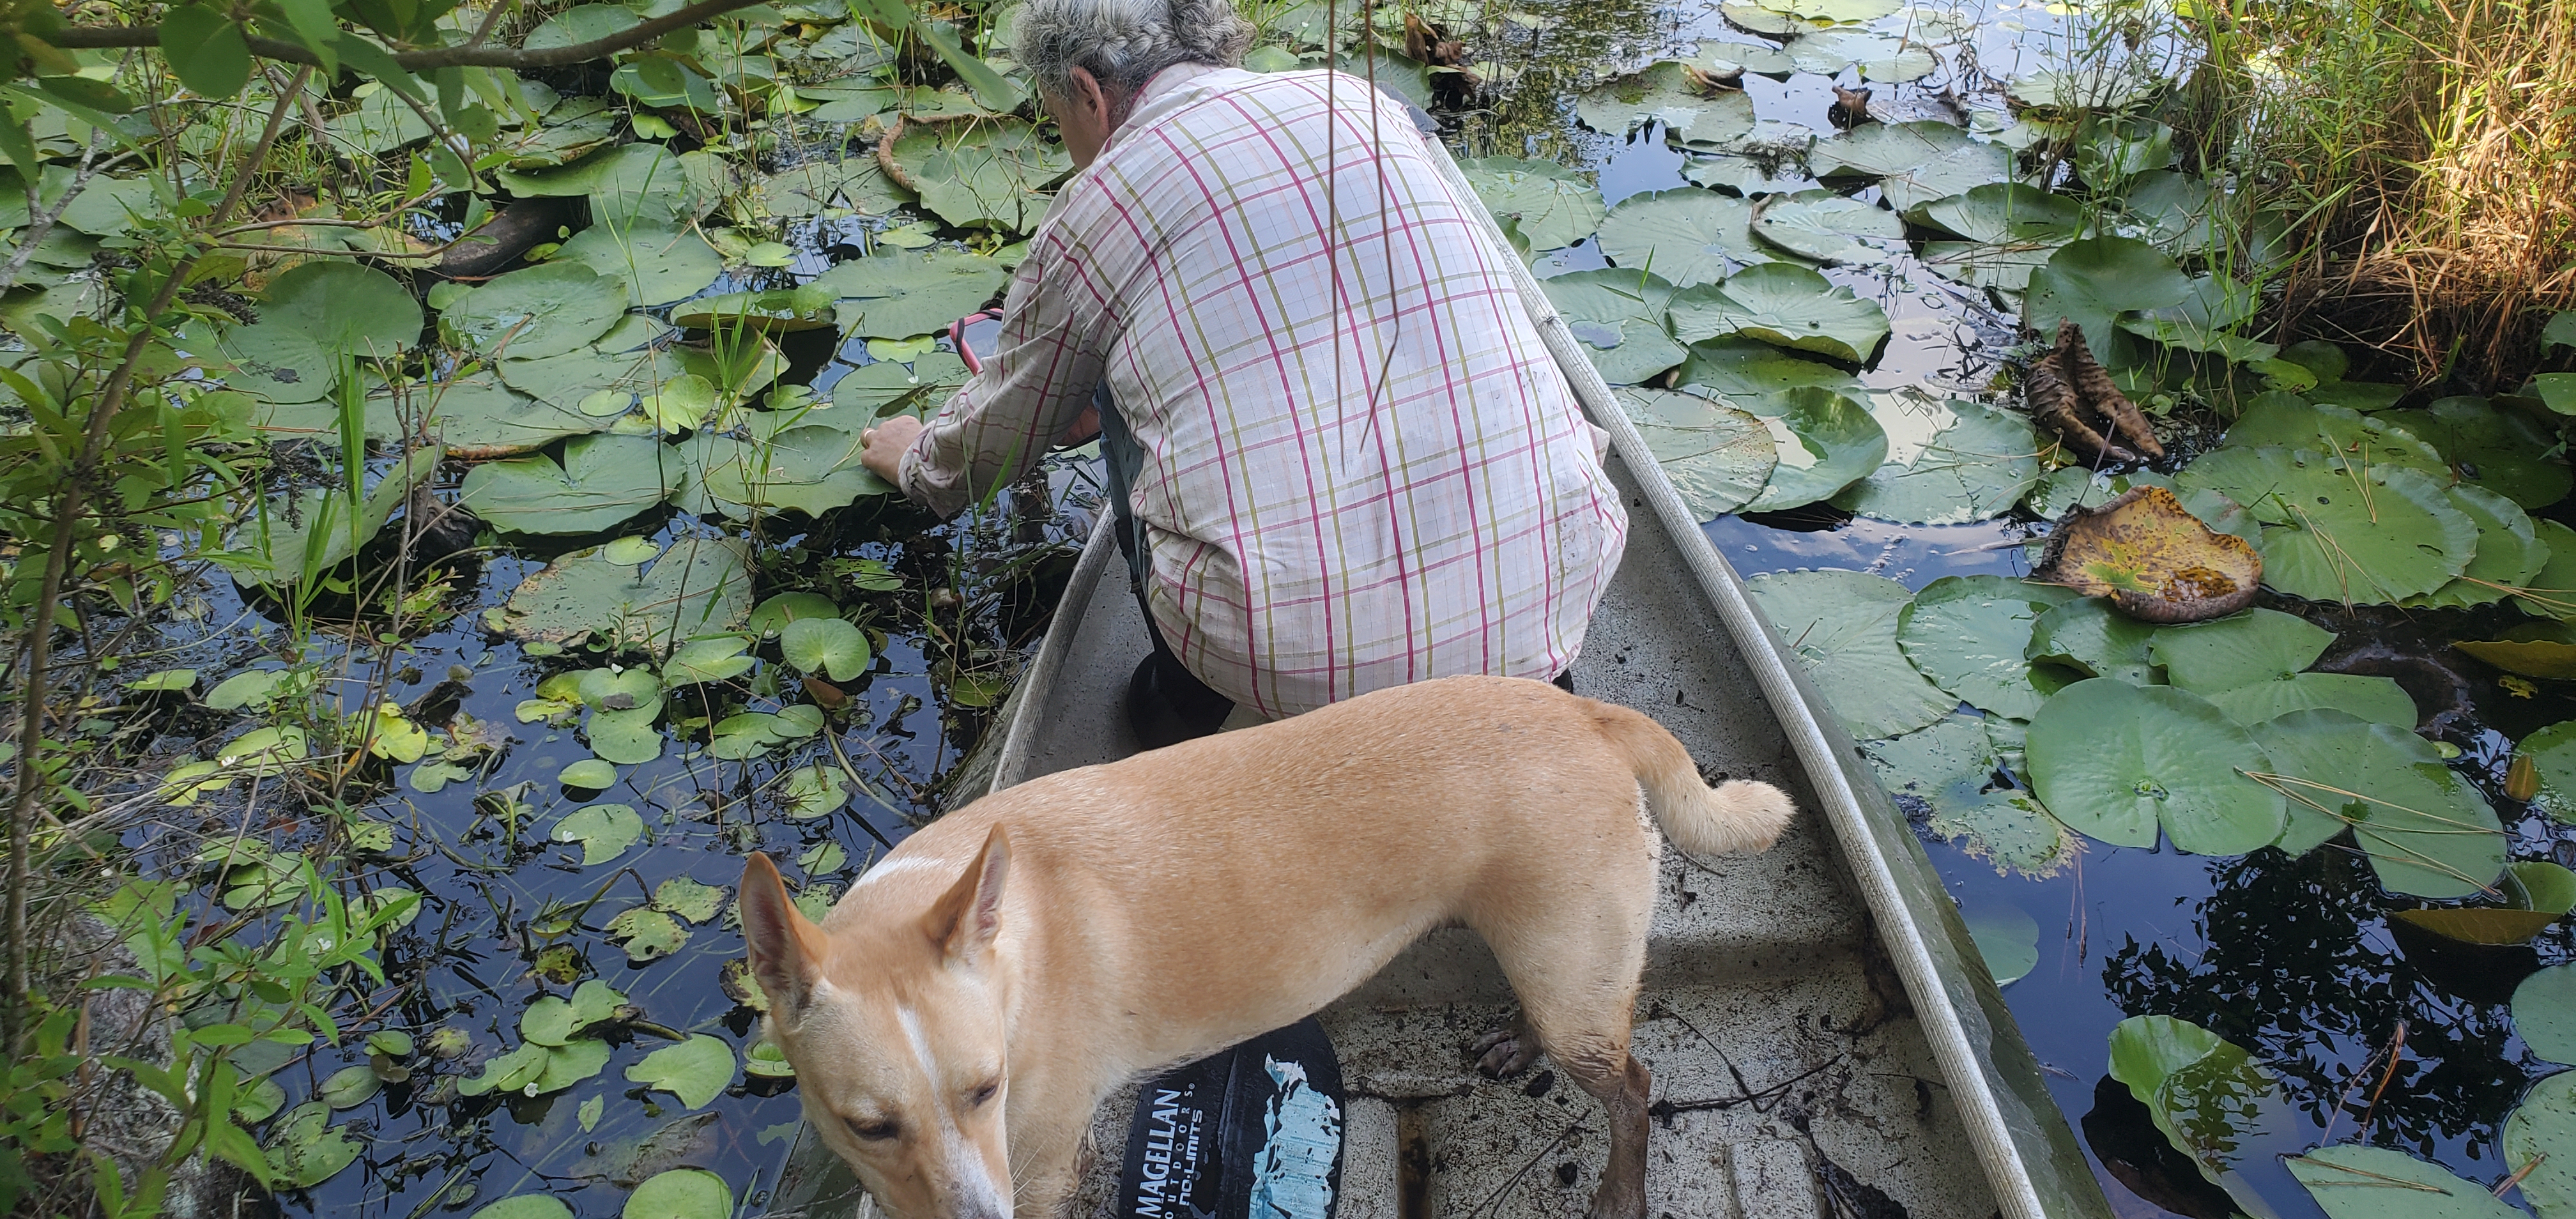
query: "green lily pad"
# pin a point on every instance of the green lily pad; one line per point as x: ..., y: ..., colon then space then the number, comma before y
x: 1824, y: 442
x: 608, y: 689
x: 767, y: 1061
x: 1554, y: 206
x: 478, y: 416
x: 531, y: 1206
x: 603, y: 482
x: 594, y: 773
x: 307, y: 1149
x: 2205, y: 1093
x: 688, y: 899
x: 816, y: 187
x: 1618, y: 315
x: 2552, y: 592
x: 2115, y: 761
x: 1683, y: 236
x: 1841, y: 626
x: 555, y: 143
x: 2553, y: 751
x: 2173, y: 212
x: 2008, y: 230
x: 775, y: 311
x: 2008, y: 938
x: 1968, y: 633
x: 541, y: 311
x: 2089, y: 637
x: 604, y: 831
x: 984, y: 174
x: 2105, y: 86
x: 598, y: 382
x: 1663, y: 93
x: 1880, y: 57
x: 697, y: 1071
x: 2534, y: 649
x: 350, y: 1087
x: 1784, y: 305
x: 2541, y: 1137
x: 813, y: 791
x: 2345, y: 437
x: 698, y: 586
x: 747, y: 735
x: 660, y: 265
x: 811, y: 469
x: 901, y: 294
x: 2509, y: 554
x: 312, y: 318
x: 681, y: 1193
x: 833, y: 646
x: 774, y: 614
x: 2498, y: 450
x: 1718, y: 457
x: 2238, y: 650
x: 2354, y: 1182
x: 1737, y: 368
x: 1949, y: 762
x: 646, y: 934
x: 2540, y: 886
x: 553, y: 1021
x: 2379, y: 700
x: 707, y: 661
x: 2544, y: 1013
x: 2093, y: 281
x: 2428, y: 832
x: 1822, y: 226
x: 1915, y: 163
x: 1971, y: 463
x: 2110, y: 150
x: 886, y: 388
x: 2401, y: 538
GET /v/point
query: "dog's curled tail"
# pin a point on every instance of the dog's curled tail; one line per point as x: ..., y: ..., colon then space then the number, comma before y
x: 1739, y: 815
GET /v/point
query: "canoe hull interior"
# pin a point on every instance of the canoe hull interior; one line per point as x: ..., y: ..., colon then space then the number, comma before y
x: 1792, y: 1075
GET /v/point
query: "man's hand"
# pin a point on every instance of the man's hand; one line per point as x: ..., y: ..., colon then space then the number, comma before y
x: 882, y: 447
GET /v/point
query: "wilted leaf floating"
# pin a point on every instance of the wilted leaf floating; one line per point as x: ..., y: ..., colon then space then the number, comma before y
x: 2154, y: 560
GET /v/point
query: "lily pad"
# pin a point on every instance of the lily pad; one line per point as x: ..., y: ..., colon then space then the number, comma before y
x: 2240, y: 649
x: 603, y: 482
x: 1663, y: 93
x: 2428, y: 832
x: 2498, y: 450
x: 553, y: 1021
x: 774, y: 614
x: 2208, y: 1096
x: 697, y: 1071
x: 2115, y: 761
x: 2387, y: 535
x: 477, y: 416
x: 898, y: 295
x: 1915, y: 163
x: 885, y: 388
x: 816, y: 187
x: 1824, y: 442
x: 593, y: 773
x: 811, y: 469
x: 1618, y: 315
x: 318, y: 530
x: 1841, y: 626
x: 2008, y: 230
x: 660, y: 265
x: 688, y: 899
x: 1717, y: 456
x: 2093, y: 281
x: 1683, y: 236
x: 1738, y: 368
x: 2153, y: 558
x: 2541, y: 1137
x: 2105, y: 86
x: 541, y: 311
x: 2354, y: 1182
x: 530, y: 1206
x: 813, y: 791
x: 350, y: 1087
x: 681, y: 1193
x: 698, y: 586
x: 2347, y: 438
x: 1880, y: 57
x: 604, y: 831
x: 1554, y: 205
x: 1822, y: 226
x: 832, y: 646
x: 1967, y: 634
x: 312, y: 318
x: 2544, y: 1013
x: 1784, y: 305
x: 2088, y: 637
x: 988, y: 173
x: 646, y: 934
x: 307, y: 1149
x: 2534, y: 649
x: 1975, y: 463
x: 2553, y: 753
x: 707, y: 661
x: 2510, y: 554
x: 2008, y: 938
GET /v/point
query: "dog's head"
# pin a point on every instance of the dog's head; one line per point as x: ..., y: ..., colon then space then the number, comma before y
x: 896, y: 1033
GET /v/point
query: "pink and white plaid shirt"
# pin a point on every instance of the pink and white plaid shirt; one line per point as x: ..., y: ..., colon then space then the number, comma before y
x: 1362, y: 467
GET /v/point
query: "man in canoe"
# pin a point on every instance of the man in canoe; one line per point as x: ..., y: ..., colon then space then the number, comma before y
x: 1339, y: 455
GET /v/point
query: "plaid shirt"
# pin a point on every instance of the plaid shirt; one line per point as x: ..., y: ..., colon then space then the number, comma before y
x: 1363, y: 469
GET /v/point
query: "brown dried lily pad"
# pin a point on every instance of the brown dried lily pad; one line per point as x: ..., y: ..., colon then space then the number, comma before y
x: 2067, y: 390
x: 2153, y: 559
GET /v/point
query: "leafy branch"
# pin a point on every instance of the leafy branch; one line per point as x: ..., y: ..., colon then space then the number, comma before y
x: 476, y: 53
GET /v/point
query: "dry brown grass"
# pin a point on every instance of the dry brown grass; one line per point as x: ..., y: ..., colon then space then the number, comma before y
x: 2431, y: 147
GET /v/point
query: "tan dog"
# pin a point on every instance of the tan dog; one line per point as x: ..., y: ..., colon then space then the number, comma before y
x: 960, y: 1014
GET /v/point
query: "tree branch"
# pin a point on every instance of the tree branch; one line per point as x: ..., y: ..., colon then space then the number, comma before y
x: 468, y: 56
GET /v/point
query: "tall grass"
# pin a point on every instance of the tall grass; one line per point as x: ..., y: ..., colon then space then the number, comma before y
x: 2425, y: 151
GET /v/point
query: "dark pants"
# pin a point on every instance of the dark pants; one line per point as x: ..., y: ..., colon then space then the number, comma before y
x: 1126, y: 459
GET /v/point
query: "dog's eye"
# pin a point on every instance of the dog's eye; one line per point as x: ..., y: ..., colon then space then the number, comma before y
x: 983, y: 1093
x: 874, y: 1132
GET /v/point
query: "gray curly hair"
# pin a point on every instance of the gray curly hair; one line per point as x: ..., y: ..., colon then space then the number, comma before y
x: 1124, y: 43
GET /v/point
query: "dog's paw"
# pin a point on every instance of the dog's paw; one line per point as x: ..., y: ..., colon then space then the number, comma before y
x: 1505, y: 1052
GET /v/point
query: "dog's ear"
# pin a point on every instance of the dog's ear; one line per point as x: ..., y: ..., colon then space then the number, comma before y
x: 786, y: 947
x: 965, y: 919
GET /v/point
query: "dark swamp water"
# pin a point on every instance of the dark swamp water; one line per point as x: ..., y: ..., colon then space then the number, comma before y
x: 2293, y: 959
